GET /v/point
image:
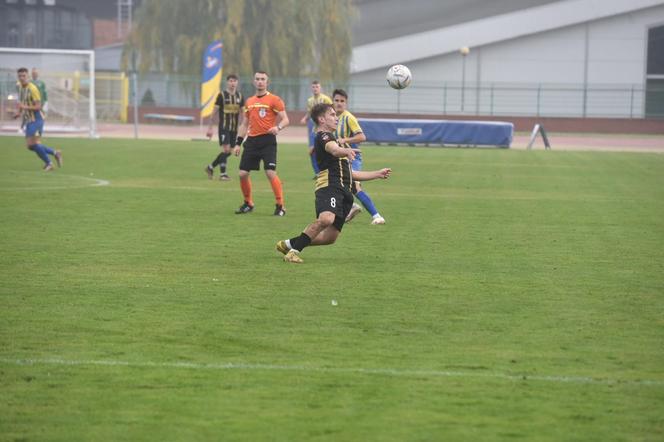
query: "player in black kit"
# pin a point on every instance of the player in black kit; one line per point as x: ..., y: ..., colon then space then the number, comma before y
x: 334, y: 184
x: 228, y: 105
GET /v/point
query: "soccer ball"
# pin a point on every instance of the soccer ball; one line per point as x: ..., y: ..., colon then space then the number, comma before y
x: 399, y: 76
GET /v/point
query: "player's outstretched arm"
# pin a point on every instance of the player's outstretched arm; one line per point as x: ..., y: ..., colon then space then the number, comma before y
x: 361, y: 175
x: 333, y: 148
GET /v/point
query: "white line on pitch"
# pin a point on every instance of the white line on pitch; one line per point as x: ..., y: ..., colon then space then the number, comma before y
x: 95, y: 183
x: 355, y: 370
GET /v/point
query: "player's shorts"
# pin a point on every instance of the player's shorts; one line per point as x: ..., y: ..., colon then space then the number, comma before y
x: 335, y: 200
x: 227, y: 136
x: 311, y: 132
x: 261, y: 147
x: 34, y: 128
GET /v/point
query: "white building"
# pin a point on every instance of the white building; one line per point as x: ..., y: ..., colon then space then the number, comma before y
x: 601, y: 58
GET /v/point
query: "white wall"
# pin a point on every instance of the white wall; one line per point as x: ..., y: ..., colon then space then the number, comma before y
x: 613, y: 69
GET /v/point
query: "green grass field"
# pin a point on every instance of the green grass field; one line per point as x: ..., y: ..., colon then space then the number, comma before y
x: 512, y: 295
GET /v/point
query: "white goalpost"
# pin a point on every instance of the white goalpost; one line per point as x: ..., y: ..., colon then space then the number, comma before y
x: 69, y: 76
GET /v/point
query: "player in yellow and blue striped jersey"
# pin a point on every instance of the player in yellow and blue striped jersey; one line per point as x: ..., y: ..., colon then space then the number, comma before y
x: 350, y: 133
x: 317, y: 98
x: 30, y: 110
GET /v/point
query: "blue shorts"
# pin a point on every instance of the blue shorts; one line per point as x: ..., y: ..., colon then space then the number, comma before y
x: 310, y: 131
x: 34, y: 128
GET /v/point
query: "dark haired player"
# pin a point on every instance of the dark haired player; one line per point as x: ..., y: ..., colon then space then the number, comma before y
x: 350, y: 133
x: 334, y: 185
x: 30, y: 110
x: 228, y: 105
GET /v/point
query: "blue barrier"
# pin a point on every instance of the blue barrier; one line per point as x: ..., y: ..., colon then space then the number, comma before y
x: 467, y: 133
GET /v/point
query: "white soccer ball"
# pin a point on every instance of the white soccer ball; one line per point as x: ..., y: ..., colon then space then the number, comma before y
x: 399, y: 76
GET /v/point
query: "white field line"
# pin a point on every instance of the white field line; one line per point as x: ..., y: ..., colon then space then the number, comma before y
x: 92, y: 182
x: 337, y: 370
x: 449, y: 195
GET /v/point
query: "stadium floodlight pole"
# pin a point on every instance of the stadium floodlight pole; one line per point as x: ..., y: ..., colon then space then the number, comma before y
x: 92, y: 111
x: 134, y: 80
x: 93, y: 107
x: 464, y: 51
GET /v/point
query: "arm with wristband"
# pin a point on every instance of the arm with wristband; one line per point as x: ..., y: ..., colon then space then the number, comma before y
x: 241, y: 133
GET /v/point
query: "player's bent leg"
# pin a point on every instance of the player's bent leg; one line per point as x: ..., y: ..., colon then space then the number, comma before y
x: 328, y: 236
x: 315, y: 229
x: 353, y: 212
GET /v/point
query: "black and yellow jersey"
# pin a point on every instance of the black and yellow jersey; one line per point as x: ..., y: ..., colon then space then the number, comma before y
x: 230, y: 106
x: 334, y: 172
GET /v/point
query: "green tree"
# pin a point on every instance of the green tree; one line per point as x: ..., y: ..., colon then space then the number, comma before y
x: 286, y: 38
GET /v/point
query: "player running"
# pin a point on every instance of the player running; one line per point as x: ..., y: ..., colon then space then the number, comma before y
x: 29, y: 109
x: 334, y: 185
x: 350, y: 133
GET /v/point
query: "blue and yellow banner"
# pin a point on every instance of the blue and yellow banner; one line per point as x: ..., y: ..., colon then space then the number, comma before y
x: 211, y: 84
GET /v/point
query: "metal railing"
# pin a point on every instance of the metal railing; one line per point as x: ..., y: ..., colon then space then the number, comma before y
x: 449, y: 98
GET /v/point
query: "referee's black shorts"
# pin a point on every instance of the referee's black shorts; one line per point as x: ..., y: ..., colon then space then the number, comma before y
x: 335, y: 200
x: 257, y: 149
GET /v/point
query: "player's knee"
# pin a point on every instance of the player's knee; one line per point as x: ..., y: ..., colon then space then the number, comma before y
x: 244, y: 174
x: 326, y: 219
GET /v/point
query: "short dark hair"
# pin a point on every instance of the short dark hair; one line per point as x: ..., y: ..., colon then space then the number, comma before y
x: 261, y: 72
x: 318, y: 110
x: 22, y: 70
x: 231, y: 77
x: 340, y: 92
x: 315, y: 82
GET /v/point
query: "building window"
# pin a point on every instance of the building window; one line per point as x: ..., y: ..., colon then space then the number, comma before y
x: 655, y: 73
x: 656, y: 51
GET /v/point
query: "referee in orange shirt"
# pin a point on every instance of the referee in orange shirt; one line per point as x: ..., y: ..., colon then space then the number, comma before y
x: 264, y: 117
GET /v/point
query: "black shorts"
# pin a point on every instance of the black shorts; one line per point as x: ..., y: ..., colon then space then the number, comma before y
x: 227, y: 136
x: 335, y: 200
x: 262, y: 147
